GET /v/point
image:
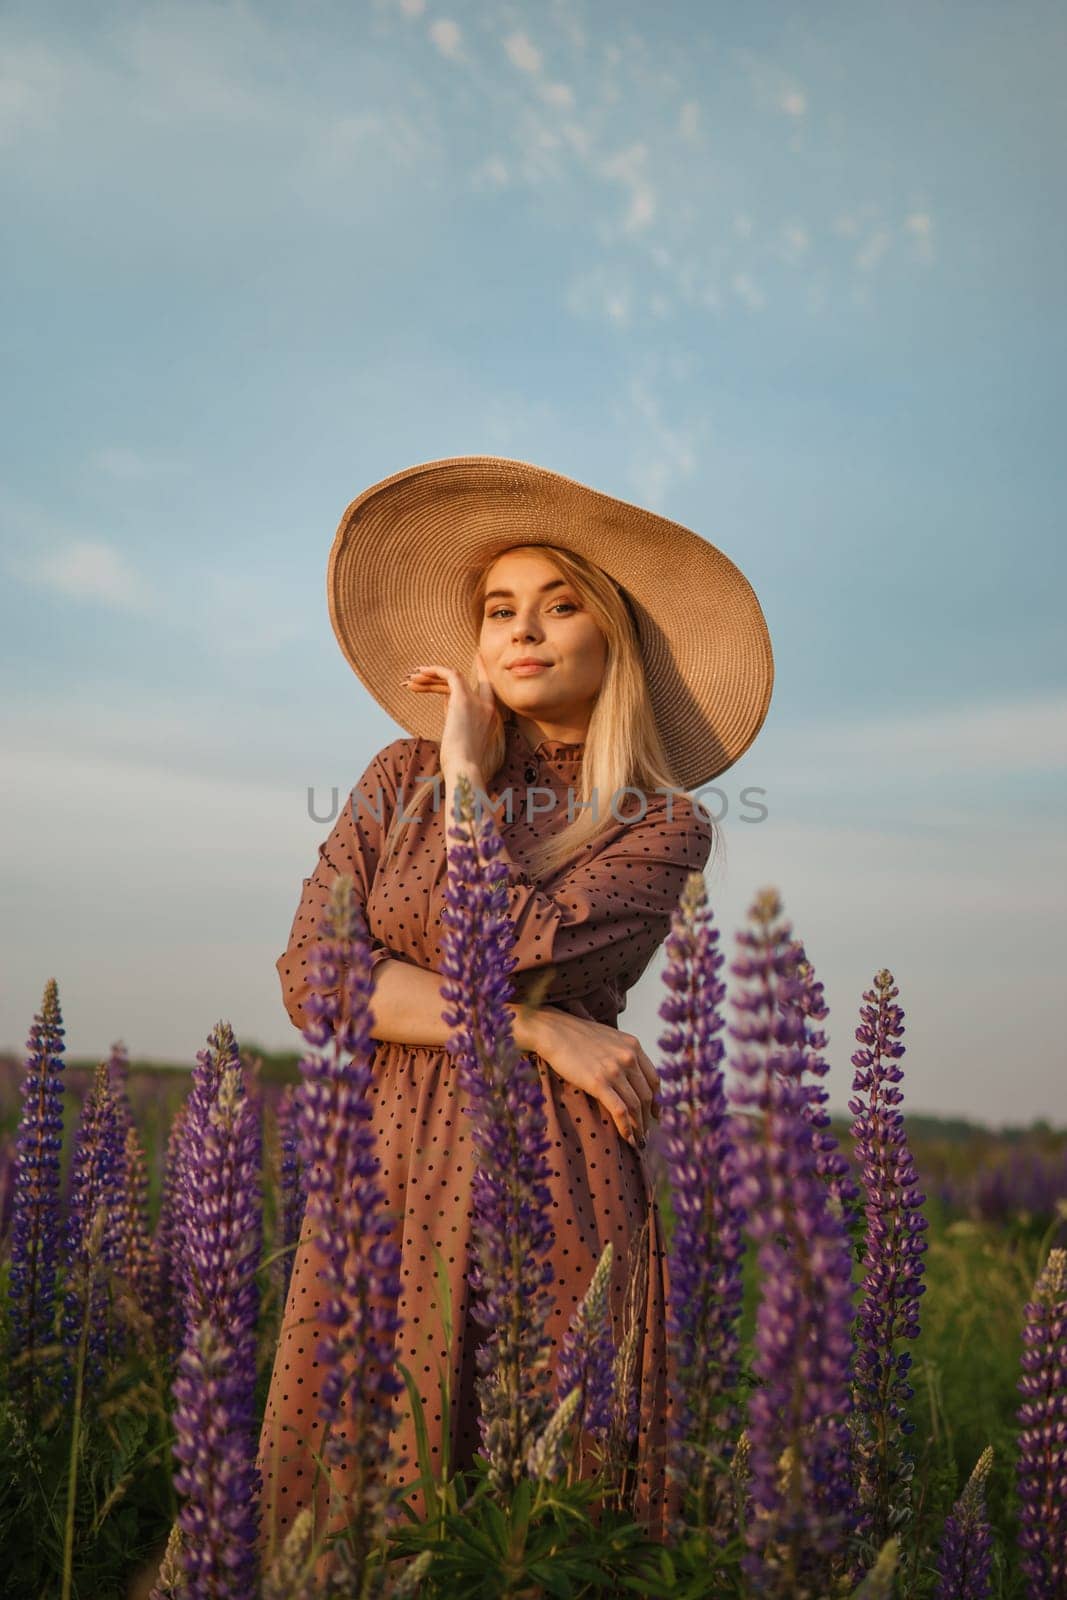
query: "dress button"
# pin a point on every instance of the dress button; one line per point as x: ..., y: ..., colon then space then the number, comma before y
x: 530, y: 774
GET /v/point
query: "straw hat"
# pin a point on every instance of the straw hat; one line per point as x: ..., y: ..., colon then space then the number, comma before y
x: 409, y: 550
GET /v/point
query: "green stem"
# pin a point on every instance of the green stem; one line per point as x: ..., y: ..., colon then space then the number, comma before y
x: 75, y: 1440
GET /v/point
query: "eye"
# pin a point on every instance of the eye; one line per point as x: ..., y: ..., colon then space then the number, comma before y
x: 502, y: 610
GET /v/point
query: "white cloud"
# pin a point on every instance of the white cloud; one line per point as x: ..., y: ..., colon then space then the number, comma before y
x: 557, y: 94
x: 920, y: 225
x: 133, y: 466
x: 873, y: 251
x: 748, y: 291
x: 446, y: 36
x: 629, y: 166
x: 689, y: 121
x: 522, y: 52
x: 412, y: 8
x: 88, y: 569
x: 493, y: 173
x: 796, y: 241
x: 794, y: 102
x: 1005, y: 737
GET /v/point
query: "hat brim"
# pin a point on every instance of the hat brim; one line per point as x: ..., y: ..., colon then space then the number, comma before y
x: 409, y: 550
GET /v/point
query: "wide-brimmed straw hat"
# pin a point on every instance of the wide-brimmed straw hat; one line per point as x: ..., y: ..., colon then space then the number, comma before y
x: 409, y: 550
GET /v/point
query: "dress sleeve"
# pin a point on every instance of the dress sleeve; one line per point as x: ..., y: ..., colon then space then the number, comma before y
x: 609, y: 915
x: 353, y: 847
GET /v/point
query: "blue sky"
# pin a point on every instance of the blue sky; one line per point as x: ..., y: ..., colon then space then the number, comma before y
x: 792, y: 276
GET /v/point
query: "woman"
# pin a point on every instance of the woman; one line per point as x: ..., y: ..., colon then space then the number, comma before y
x: 587, y: 710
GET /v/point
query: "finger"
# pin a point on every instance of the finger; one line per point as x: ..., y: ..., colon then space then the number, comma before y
x: 639, y: 1084
x: 626, y: 1091
x: 651, y: 1077
x: 620, y: 1113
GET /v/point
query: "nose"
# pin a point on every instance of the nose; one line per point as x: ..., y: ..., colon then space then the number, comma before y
x: 525, y: 627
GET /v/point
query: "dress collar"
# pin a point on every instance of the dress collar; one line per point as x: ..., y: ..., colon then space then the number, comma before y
x: 556, y: 752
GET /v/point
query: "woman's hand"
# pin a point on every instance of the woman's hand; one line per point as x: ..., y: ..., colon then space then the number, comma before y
x: 606, y: 1063
x: 472, y: 718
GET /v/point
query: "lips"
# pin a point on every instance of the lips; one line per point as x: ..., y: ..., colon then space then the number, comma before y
x: 527, y: 664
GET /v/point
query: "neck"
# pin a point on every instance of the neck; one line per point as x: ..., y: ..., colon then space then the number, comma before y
x: 532, y: 732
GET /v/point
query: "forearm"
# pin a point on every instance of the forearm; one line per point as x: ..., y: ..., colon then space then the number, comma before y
x: 407, y: 1008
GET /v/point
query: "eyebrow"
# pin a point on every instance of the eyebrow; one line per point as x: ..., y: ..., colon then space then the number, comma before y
x: 508, y: 594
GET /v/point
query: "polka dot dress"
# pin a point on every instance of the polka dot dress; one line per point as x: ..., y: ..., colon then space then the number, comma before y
x: 596, y: 923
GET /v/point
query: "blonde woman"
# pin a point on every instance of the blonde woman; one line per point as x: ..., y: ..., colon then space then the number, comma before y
x: 585, y: 663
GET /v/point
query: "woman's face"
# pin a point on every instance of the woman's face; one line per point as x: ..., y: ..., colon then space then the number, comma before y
x: 532, y: 611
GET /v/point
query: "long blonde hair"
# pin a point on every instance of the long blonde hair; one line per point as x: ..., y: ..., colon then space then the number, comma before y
x: 622, y: 744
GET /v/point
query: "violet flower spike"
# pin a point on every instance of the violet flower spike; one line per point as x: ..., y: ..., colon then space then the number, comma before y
x: 355, y: 1232
x: 35, y: 1222
x: 513, y: 1231
x: 290, y: 1195
x: 1042, y: 1417
x: 892, y: 1264
x: 966, y: 1553
x: 586, y: 1362
x: 832, y: 1163
x: 97, y: 1180
x: 706, y: 1249
x: 801, y: 1495
x: 214, y: 1388
x: 220, y: 1055
x: 166, y: 1242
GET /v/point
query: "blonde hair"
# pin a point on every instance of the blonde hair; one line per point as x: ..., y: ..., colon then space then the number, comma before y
x: 622, y: 745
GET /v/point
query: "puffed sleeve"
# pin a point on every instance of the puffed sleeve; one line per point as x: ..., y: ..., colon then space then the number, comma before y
x: 608, y: 916
x: 353, y: 847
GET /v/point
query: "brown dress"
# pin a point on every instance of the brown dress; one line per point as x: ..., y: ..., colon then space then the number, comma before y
x: 597, y: 923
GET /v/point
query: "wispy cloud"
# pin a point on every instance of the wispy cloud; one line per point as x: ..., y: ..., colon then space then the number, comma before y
x: 991, y: 738
x: 89, y: 570
x: 133, y: 466
x: 448, y: 37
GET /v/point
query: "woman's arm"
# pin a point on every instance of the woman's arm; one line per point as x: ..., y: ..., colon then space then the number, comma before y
x: 407, y: 1005
x: 407, y: 1008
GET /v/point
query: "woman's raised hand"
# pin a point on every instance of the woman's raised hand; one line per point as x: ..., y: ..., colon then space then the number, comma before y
x: 471, y: 719
x: 606, y: 1063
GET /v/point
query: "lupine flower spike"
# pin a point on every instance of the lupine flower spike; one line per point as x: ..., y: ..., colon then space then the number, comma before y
x: 704, y: 1263
x: 587, y: 1359
x: 35, y: 1224
x: 354, y: 1231
x: 801, y: 1493
x: 892, y: 1265
x: 214, y: 1389
x: 289, y: 1191
x: 833, y: 1165
x: 966, y: 1552
x: 94, y: 1257
x: 513, y: 1230
x: 1042, y: 1417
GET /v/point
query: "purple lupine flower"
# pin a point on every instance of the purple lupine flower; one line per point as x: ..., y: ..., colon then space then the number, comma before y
x: 966, y: 1553
x: 35, y: 1215
x: 349, y: 1222
x: 801, y: 1491
x: 220, y: 1053
x: 586, y: 1362
x: 1042, y: 1417
x: 214, y: 1387
x: 892, y: 1265
x: 139, y: 1265
x: 166, y: 1242
x: 706, y: 1249
x: 94, y: 1255
x: 831, y: 1162
x: 513, y: 1232
x: 290, y: 1198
